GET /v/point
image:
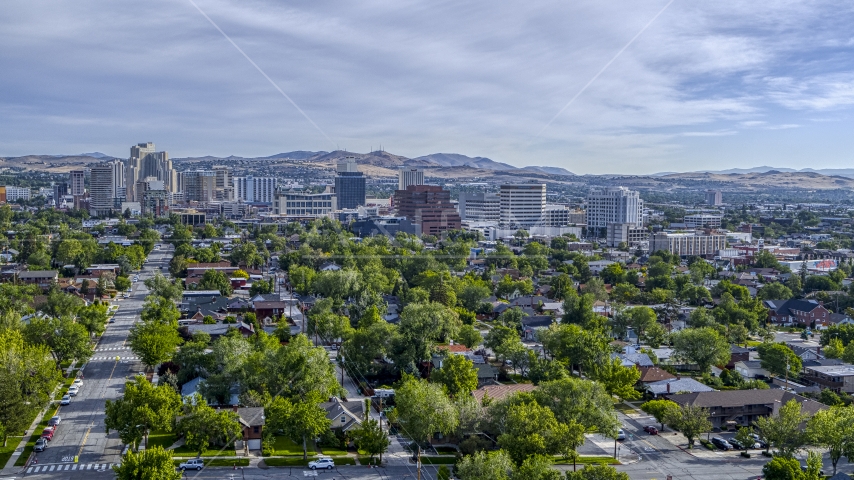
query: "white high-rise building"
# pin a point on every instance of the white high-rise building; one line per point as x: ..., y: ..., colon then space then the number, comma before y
x: 407, y: 176
x: 479, y: 207
x: 17, y: 193
x: 255, y: 189
x: 613, y: 205
x: 145, y: 162
x: 522, y: 204
x: 106, y: 187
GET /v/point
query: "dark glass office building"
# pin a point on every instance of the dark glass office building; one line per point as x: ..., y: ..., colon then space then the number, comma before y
x: 350, y: 189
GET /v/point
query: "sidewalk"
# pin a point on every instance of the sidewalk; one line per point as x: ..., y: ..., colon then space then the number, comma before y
x: 10, y: 468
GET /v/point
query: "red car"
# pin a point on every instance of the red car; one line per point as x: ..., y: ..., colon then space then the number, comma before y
x: 650, y: 430
x: 47, y: 434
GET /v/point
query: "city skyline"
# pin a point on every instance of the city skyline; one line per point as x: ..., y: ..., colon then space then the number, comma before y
x: 724, y: 85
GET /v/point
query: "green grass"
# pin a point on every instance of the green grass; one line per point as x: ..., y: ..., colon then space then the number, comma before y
x: 161, y: 439
x: 28, y: 449
x: 284, y: 446
x: 332, y: 451
x: 6, y: 452
x: 220, y: 462
x: 185, y: 451
x: 518, y: 378
x: 623, y: 408
x: 366, y: 460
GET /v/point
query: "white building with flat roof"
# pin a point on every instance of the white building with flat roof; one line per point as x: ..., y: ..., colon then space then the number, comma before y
x: 613, y: 205
x: 522, y: 204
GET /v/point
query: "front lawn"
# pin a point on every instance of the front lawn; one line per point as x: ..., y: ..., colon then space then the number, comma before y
x: 161, y: 439
x: 434, y: 460
x: 284, y: 446
x: 37, y: 433
x: 332, y: 451
x: 185, y: 451
x: 582, y: 460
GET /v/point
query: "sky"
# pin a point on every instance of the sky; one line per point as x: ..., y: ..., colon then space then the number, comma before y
x: 619, y: 87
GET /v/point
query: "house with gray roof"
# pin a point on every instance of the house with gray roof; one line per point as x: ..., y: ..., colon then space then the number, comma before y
x: 344, y: 415
x: 676, y: 385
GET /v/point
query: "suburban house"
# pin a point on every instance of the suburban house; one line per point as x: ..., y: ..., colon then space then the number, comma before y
x: 796, y: 312
x: 805, y: 353
x: 252, y: 421
x: 531, y: 324
x: 751, y: 369
x: 737, y: 354
x: 43, y: 278
x: 732, y: 408
x: 497, y: 392
x: 217, y: 330
x: 676, y: 385
x: 836, y: 319
x: 652, y: 375
x: 839, y: 378
x: 344, y: 415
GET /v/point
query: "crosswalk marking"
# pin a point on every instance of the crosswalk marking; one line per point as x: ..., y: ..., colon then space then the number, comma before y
x: 114, y: 357
x: 69, y: 467
x: 104, y: 349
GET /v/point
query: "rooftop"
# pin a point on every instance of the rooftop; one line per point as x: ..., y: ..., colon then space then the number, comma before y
x: 844, y: 370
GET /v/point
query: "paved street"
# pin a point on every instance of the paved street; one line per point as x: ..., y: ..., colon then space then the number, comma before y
x: 82, y: 432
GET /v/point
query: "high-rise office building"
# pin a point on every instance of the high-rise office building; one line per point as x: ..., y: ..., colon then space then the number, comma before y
x: 198, y: 185
x: 154, y: 199
x: 60, y: 190
x: 255, y: 189
x: 522, y: 204
x: 349, y: 184
x: 77, y: 182
x: 714, y: 198
x: 613, y: 205
x: 407, y: 176
x: 224, y: 183
x: 306, y: 205
x: 146, y: 162
x: 106, y: 187
x: 429, y: 207
x: 479, y: 207
x: 14, y: 193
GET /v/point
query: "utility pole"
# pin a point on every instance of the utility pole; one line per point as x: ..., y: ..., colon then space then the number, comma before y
x: 787, y: 373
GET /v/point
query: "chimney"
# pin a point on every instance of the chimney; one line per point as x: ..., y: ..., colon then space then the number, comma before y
x: 668, y: 387
x: 234, y: 407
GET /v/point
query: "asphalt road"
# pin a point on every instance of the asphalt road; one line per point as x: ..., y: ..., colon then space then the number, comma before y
x: 81, y: 432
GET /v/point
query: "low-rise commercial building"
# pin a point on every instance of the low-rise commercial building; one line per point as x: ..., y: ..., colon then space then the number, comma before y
x: 688, y: 244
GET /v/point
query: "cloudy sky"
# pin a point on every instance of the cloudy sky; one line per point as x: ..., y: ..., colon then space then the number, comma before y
x: 706, y: 85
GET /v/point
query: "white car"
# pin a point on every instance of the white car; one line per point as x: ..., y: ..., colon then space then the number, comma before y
x: 66, y: 400
x: 72, y: 390
x: 196, y: 463
x: 326, y: 462
x: 78, y: 382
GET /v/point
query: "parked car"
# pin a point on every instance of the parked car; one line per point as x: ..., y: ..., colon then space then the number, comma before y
x: 721, y: 443
x: 196, y: 463
x: 41, y: 444
x: 804, y: 468
x: 650, y: 430
x: 66, y: 400
x: 78, y: 382
x: 47, y: 434
x: 324, y: 462
x: 54, y: 421
x: 73, y: 390
x: 621, y: 435
x: 759, y: 441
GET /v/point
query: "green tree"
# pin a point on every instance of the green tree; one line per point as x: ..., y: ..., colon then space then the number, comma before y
x: 299, y: 419
x: 775, y: 357
x: 691, y: 420
x: 424, y: 325
x: 744, y: 436
x: 122, y: 283
x: 153, y: 341
x: 833, y: 430
x: 154, y: 463
x: 298, y: 368
x: 160, y: 286
x: 423, y: 409
x: 29, y: 376
x: 260, y: 287
x: 783, y: 429
x: 66, y: 339
x: 579, y: 401
x: 531, y: 429
x: 215, y: 280
x: 93, y: 318
x: 482, y: 465
x: 597, y: 472
x: 142, y: 408
x: 537, y: 467
x: 618, y: 380
x: 201, y: 425
x: 472, y: 294
x: 160, y: 310
x: 775, y: 291
x: 469, y: 336
x: 457, y: 375
x: 662, y: 410
x: 61, y: 304
x: 301, y: 278
x: 370, y: 438
x: 703, y: 346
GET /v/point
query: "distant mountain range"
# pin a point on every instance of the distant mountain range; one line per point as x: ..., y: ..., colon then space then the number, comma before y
x: 842, y: 172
